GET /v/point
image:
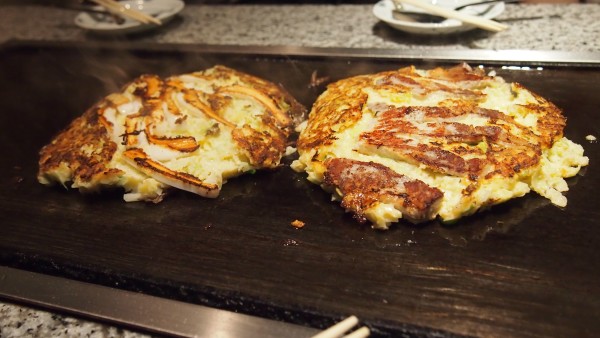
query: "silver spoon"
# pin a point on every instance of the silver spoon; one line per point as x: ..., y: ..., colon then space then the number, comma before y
x: 408, y: 15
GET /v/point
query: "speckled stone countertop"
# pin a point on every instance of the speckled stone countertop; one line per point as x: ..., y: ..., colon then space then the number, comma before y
x: 21, y: 321
x: 567, y: 27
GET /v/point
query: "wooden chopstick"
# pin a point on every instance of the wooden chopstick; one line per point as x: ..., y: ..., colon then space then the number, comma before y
x: 116, y: 8
x: 480, y: 22
x: 340, y: 328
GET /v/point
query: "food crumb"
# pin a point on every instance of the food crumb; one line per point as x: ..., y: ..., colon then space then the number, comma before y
x: 290, y: 151
x: 316, y: 81
x: 298, y: 224
x: 591, y: 138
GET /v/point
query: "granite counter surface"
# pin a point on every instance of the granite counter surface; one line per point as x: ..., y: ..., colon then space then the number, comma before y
x: 564, y: 27
x: 567, y: 27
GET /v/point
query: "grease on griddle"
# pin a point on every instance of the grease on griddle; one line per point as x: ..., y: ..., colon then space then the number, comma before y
x: 16, y: 179
x: 290, y: 242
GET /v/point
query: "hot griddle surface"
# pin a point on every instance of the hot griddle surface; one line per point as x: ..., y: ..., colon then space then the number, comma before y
x: 523, y: 268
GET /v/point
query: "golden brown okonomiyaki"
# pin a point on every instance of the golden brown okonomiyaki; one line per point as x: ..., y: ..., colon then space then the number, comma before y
x: 418, y: 144
x: 192, y: 132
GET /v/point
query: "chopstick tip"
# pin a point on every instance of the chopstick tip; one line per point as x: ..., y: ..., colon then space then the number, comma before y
x: 340, y: 328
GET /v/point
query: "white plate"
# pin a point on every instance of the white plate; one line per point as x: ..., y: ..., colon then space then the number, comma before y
x: 383, y: 10
x: 164, y: 10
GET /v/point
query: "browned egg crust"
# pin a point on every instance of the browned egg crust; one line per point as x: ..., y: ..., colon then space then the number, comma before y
x: 436, y: 140
x: 84, y: 132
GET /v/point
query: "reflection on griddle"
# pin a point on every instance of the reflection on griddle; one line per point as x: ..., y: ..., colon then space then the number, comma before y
x: 500, y: 219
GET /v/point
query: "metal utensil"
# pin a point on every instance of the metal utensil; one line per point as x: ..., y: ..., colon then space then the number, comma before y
x: 97, y: 13
x: 401, y: 13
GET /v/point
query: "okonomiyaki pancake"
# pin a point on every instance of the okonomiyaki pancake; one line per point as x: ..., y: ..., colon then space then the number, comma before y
x: 191, y: 132
x: 420, y: 144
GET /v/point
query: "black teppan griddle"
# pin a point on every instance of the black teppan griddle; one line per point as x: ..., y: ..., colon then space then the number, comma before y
x: 524, y: 268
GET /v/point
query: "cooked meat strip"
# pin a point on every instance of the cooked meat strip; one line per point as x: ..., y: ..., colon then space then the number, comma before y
x: 362, y: 184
